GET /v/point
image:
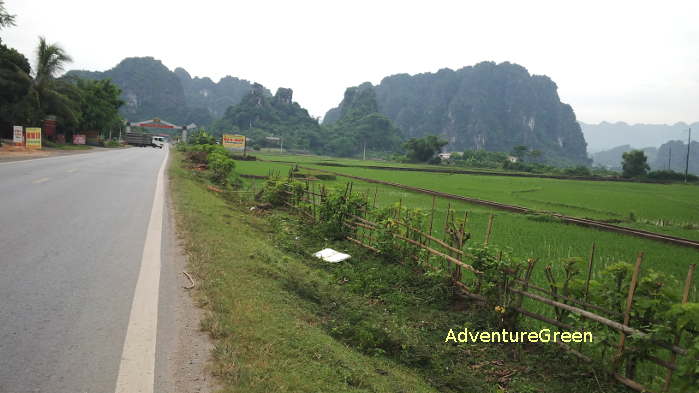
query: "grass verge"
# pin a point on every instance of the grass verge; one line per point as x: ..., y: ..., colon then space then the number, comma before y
x: 285, y: 322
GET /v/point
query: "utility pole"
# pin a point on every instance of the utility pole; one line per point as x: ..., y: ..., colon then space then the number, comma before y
x: 281, y: 144
x: 686, y: 165
x: 364, y: 153
x: 669, y: 160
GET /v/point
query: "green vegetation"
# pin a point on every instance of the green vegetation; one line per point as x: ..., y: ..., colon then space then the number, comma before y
x: 634, y: 164
x: 669, y: 209
x: 539, y: 236
x: 64, y: 146
x: 656, y: 305
x: 284, y: 321
x: 27, y: 98
x: 360, y: 127
x: 214, y: 158
x: 424, y: 149
x: 6, y: 19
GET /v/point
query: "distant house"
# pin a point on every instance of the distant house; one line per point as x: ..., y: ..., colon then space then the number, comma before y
x: 444, y: 156
x: 512, y: 159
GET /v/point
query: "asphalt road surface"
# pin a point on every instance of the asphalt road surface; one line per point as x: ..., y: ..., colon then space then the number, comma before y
x: 73, y: 244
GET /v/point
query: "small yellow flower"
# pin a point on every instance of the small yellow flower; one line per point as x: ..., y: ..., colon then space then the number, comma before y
x: 500, y: 309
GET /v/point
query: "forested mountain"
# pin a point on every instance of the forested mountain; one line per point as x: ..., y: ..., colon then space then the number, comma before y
x: 150, y: 90
x: 359, y: 126
x: 216, y: 97
x: 605, y: 135
x: 264, y: 118
x: 487, y: 106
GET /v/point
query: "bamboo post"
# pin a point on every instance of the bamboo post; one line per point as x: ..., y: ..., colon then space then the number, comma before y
x: 429, y: 241
x: 376, y: 191
x: 627, y: 311
x: 589, y: 271
x: 685, y: 299
x: 489, y: 231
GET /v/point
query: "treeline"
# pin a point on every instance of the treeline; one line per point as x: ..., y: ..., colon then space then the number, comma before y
x: 30, y: 96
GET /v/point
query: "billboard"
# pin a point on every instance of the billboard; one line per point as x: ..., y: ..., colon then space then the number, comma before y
x: 33, y: 138
x: 234, y: 142
x: 79, y: 139
x: 18, y: 137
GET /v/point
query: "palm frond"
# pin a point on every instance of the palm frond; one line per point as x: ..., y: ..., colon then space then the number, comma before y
x: 6, y: 19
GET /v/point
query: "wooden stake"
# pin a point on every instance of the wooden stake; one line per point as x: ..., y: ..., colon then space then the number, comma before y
x: 589, y: 270
x: 627, y: 312
x: 429, y: 241
x: 490, y: 229
x: 685, y: 299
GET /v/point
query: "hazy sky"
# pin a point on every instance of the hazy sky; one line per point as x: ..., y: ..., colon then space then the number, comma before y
x: 633, y: 61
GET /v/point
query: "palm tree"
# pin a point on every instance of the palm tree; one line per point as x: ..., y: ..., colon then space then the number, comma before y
x: 6, y: 19
x: 53, y: 96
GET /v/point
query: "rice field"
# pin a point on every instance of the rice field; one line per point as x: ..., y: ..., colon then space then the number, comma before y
x: 525, y: 236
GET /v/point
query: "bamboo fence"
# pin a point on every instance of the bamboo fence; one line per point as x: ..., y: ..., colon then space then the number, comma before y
x: 450, y: 250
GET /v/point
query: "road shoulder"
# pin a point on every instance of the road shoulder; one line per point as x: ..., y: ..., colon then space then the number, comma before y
x: 183, y: 350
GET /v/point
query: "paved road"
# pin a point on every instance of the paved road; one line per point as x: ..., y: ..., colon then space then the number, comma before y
x: 72, y: 238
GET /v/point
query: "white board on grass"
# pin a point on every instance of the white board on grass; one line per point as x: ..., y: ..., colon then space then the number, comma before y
x: 330, y: 255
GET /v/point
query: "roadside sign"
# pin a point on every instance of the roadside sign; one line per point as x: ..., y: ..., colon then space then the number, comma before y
x: 33, y: 138
x: 79, y: 139
x: 234, y: 142
x: 18, y: 137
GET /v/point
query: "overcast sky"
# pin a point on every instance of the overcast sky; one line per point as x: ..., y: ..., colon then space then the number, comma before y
x: 634, y: 61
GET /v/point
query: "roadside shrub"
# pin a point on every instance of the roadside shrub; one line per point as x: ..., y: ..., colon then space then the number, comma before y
x: 111, y: 143
x: 221, y: 166
x: 335, y: 208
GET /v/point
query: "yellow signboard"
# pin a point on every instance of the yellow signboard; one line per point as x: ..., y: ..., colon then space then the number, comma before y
x: 33, y: 137
x: 236, y: 142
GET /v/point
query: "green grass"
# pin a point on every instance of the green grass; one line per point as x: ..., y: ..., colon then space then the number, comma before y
x: 265, y: 339
x: 285, y: 322
x: 671, y: 209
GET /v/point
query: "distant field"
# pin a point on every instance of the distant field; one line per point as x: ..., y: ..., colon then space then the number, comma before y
x: 526, y: 236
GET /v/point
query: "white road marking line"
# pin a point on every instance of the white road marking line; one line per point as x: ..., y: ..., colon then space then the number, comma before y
x: 137, y: 368
x: 43, y: 179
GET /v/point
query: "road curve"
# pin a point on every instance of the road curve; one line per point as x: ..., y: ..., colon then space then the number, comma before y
x: 72, y: 237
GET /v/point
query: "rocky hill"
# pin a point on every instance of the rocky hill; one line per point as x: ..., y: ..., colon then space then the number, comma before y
x: 266, y: 119
x: 487, y: 106
x: 150, y: 90
x: 606, y: 135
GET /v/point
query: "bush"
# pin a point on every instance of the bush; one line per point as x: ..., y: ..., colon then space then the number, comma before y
x: 671, y: 175
x: 221, y: 166
x: 579, y: 170
x: 111, y: 143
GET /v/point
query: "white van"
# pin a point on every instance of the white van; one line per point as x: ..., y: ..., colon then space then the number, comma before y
x: 158, y: 141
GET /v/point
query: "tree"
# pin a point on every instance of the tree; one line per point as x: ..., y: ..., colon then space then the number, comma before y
x: 6, y: 19
x: 99, y: 105
x: 520, y: 152
x: 423, y: 149
x: 14, y: 79
x: 634, y: 164
x: 535, y: 155
x: 52, y: 96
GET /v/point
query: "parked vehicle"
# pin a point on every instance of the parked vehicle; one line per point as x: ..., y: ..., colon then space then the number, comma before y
x: 158, y: 141
x: 142, y: 139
